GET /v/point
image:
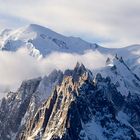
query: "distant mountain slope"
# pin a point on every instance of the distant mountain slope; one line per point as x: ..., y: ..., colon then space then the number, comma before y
x: 41, y: 41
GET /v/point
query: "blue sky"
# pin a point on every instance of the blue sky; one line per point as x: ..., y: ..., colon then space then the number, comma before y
x: 107, y: 22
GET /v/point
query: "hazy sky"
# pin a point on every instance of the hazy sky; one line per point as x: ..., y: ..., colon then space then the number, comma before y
x: 112, y: 23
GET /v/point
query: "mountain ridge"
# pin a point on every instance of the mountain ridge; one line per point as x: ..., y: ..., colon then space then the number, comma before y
x: 80, y: 106
x: 49, y: 40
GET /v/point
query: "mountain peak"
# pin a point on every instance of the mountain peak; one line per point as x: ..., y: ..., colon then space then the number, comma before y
x: 37, y: 27
x: 79, y: 66
x: 42, y: 40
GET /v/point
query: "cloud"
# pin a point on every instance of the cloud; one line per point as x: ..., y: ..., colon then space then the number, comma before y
x: 18, y: 66
x: 110, y: 23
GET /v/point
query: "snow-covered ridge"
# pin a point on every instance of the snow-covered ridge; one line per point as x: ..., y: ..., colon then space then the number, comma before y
x: 43, y: 39
x: 122, y: 76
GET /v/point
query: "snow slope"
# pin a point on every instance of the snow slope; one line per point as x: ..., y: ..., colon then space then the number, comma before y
x: 122, y: 76
x: 40, y: 41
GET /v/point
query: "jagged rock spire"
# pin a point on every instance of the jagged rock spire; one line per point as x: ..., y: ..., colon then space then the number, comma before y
x: 108, y: 61
x: 79, y: 71
x: 79, y: 66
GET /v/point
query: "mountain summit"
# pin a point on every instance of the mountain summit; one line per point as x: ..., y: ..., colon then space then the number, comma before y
x: 40, y: 41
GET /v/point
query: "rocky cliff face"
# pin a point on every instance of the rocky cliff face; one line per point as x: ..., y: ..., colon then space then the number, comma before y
x: 80, y: 106
x: 18, y: 107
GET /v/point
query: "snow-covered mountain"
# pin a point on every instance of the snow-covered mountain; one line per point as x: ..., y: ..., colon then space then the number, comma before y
x: 40, y: 41
x: 77, y: 104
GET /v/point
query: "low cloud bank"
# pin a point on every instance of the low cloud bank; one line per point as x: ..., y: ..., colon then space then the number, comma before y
x: 18, y: 66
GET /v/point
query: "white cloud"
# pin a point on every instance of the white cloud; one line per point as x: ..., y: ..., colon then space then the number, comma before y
x: 18, y: 66
x: 113, y: 23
